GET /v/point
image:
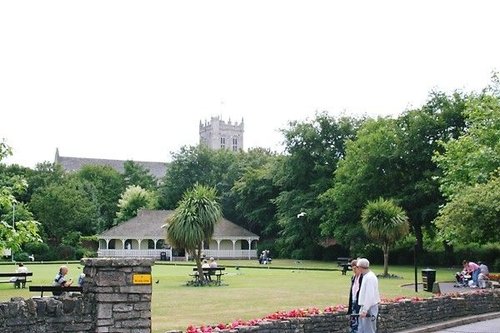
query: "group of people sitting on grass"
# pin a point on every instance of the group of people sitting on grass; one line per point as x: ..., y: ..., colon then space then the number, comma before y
x: 473, y: 275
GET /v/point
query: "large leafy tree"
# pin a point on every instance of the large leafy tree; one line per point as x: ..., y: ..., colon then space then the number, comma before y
x: 132, y: 200
x: 471, y: 168
x: 367, y: 172
x: 393, y: 158
x: 136, y: 174
x: 17, y: 225
x: 44, y: 174
x: 192, y: 165
x: 313, y: 149
x: 419, y: 133
x: 254, y: 193
x: 385, y: 223
x: 194, y: 221
x: 65, y: 212
x: 473, y: 215
x: 104, y: 185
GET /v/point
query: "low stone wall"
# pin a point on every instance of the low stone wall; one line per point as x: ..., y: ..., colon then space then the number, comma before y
x: 116, y: 298
x: 47, y: 314
x: 393, y: 317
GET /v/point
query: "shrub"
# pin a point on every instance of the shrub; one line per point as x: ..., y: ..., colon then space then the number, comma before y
x: 21, y: 256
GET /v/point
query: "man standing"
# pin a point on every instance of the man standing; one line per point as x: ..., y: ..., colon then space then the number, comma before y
x: 369, y: 298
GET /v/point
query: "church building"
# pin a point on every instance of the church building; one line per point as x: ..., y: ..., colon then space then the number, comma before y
x: 217, y: 134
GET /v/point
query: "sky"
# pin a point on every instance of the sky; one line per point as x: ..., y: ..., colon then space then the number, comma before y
x: 133, y: 79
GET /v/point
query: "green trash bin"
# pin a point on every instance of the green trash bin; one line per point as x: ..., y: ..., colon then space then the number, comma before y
x: 428, y: 278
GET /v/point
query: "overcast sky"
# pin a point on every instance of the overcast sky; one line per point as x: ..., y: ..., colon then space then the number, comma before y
x: 133, y: 79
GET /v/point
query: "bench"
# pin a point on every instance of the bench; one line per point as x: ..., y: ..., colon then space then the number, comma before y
x: 207, y: 272
x: 57, y: 289
x: 21, y: 278
x: 345, y: 263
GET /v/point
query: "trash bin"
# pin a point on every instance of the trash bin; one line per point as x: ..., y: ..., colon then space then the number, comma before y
x: 163, y: 256
x: 428, y: 278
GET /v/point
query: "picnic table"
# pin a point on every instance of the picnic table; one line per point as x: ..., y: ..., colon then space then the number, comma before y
x: 21, y: 278
x: 207, y: 274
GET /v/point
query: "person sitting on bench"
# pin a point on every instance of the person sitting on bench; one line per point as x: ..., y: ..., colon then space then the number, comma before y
x: 20, y: 280
x: 61, y: 281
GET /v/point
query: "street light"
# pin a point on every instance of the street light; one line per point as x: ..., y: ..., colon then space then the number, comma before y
x: 13, y: 226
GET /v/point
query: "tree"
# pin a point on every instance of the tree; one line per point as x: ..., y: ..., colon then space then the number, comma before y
x: 214, y: 168
x: 385, y: 223
x: 254, y: 193
x: 473, y: 158
x: 368, y: 171
x: 419, y: 132
x: 471, y: 169
x: 132, y: 200
x: 393, y: 158
x: 136, y: 174
x: 313, y: 150
x: 194, y: 221
x: 190, y: 166
x: 16, y: 228
x: 473, y: 215
x: 65, y: 212
x: 103, y: 185
x: 44, y: 174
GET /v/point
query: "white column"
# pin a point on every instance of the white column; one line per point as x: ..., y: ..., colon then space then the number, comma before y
x: 234, y: 247
x: 249, y: 247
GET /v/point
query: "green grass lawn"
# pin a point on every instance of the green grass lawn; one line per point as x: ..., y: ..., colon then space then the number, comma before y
x: 252, y: 291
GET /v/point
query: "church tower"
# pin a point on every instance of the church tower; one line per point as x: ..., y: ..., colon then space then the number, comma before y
x: 217, y: 134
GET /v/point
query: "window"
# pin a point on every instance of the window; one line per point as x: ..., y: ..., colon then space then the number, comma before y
x: 223, y: 142
x: 235, y: 144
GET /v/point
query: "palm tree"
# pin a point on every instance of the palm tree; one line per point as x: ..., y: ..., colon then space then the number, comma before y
x: 194, y: 221
x: 385, y: 223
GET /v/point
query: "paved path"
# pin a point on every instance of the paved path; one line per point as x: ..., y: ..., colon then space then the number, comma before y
x: 485, y: 323
x: 488, y: 326
x: 444, y: 287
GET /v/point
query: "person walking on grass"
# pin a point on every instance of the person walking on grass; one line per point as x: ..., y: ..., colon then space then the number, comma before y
x: 368, y: 299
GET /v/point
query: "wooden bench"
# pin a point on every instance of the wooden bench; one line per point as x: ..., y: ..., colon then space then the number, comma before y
x: 207, y: 272
x: 55, y: 289
x: 345, y: 263
x: 21, y: 278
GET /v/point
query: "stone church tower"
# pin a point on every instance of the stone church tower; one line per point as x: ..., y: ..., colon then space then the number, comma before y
x: 217, y: 134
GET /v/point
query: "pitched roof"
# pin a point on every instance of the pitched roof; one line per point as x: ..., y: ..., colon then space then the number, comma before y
x: 157, y: 169
x: 148, y: 225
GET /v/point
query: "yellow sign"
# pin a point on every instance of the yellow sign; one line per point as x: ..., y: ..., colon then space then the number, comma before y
x: 141, y: 279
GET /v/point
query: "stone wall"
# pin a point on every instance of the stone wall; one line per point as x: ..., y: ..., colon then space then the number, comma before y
x: 393, y: 317
x: 116, y: 298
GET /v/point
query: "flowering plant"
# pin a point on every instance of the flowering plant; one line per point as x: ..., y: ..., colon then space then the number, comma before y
x: 307, y: 312
x: 494, y: 277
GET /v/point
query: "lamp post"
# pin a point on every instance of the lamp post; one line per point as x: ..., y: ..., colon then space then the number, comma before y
x: 13, y: 226
x: 415, y: 264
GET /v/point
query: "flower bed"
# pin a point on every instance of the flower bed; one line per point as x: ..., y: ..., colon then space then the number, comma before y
x: 338, y: 310
x: 494, y: 277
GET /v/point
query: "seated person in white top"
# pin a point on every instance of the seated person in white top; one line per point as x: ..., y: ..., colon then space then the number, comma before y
x: 213, y: 263
x: 20, y: 280
x: 205, y: 266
